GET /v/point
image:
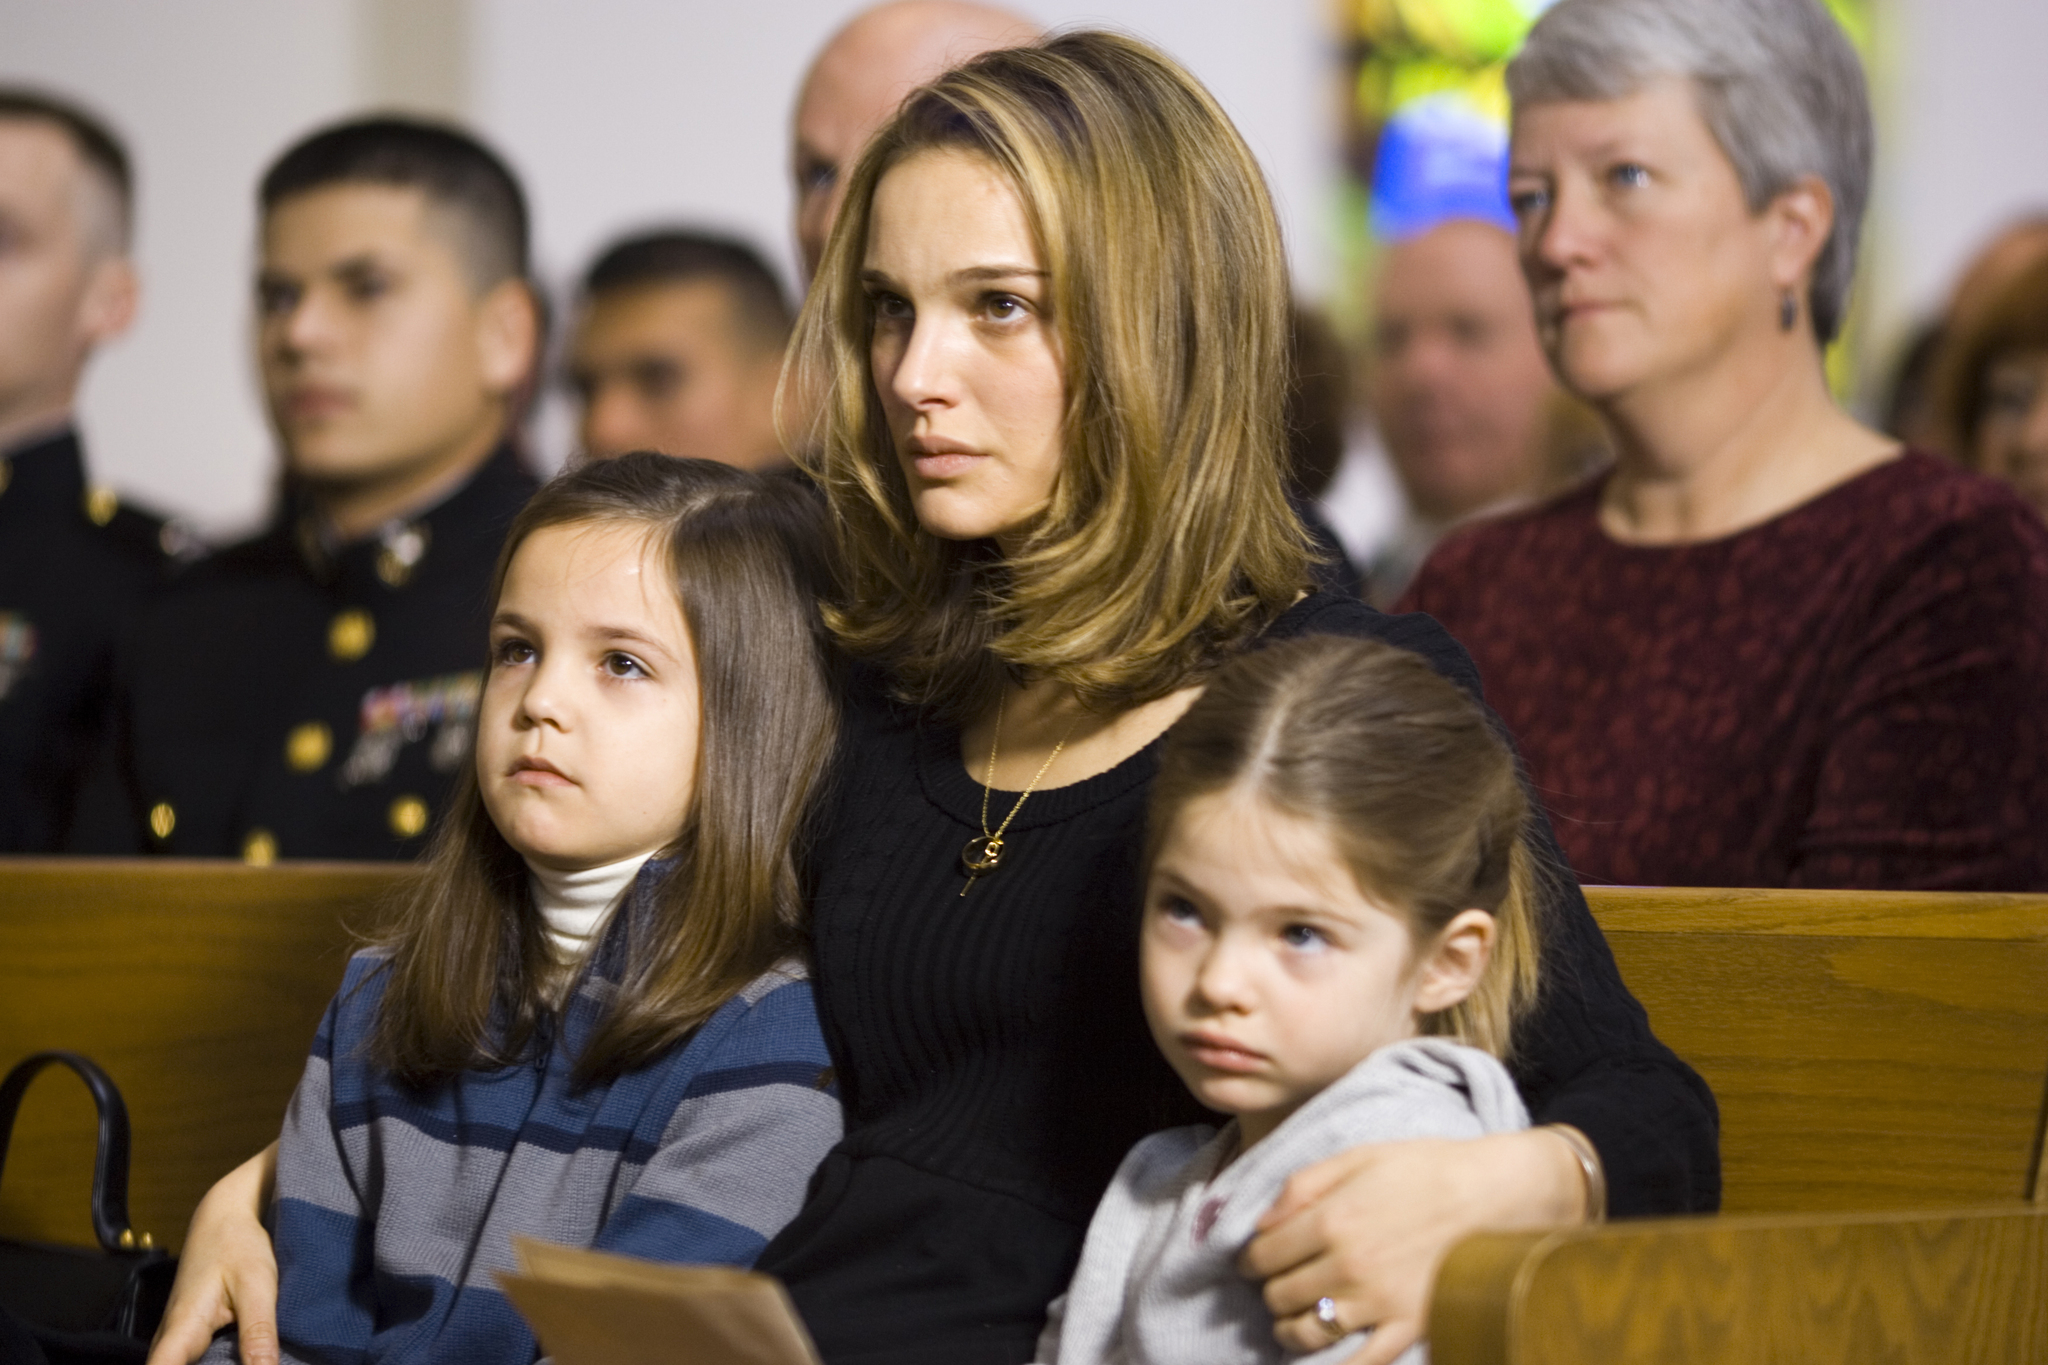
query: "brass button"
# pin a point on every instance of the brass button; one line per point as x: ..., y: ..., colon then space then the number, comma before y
x: 408, y: 817
x: 259, y: 849
x: 162, y: 819
x: 306, y: 748
x: 350, y: 634
x: 101, y: 503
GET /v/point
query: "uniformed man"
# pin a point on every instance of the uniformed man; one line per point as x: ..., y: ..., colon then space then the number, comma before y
x: 73, y: 561
x: 677, y: 347
x: 308, y: 693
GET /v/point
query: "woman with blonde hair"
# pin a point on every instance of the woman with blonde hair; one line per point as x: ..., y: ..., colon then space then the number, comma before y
x: 1044, y: 362
x: 1770, y: 647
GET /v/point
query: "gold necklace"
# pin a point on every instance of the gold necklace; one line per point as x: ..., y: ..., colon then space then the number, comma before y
x: 983, y: 853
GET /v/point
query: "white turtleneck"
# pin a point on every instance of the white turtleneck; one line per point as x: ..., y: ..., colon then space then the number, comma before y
x: 573, y: 904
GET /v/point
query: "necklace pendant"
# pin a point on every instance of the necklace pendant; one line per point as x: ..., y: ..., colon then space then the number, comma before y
x: 982, y: 854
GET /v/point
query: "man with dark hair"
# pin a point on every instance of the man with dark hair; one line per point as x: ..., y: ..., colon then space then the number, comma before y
x: 307, y: 693
x: 73, y: 561
x: 677, y: 348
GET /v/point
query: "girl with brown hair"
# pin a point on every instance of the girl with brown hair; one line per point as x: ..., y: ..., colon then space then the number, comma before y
x: 1338, y: 937
x: 1043, y: 372
x: 588, y: 1023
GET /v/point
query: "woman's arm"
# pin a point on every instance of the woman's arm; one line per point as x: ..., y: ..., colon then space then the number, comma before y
x: 226, y: 1272
x: 1369, y: 1228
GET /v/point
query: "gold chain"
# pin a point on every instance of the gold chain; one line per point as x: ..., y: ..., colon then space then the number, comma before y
x: 984, y: 854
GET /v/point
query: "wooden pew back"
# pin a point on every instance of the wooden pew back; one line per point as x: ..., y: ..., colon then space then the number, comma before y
x: 197, y: 985
x: 1869, y: 1050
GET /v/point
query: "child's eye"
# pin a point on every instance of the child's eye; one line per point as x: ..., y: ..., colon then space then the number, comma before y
x: 1528, y: 202
x: 509, y: 653
x: 619, y: 664
x: 1631, y: 175
x: 1305, y: 937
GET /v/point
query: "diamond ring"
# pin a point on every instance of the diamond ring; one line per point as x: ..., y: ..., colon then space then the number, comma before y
x: 1326, y: 1314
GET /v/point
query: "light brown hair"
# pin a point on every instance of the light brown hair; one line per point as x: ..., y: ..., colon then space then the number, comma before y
x: 469, y: 957
x: 1168, y: 543
x: 1418, y: 789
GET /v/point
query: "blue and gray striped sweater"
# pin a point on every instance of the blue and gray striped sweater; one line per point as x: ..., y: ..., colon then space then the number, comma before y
x: 394, y: 1206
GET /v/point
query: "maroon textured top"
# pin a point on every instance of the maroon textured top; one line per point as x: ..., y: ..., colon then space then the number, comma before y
x: 1853, y: 694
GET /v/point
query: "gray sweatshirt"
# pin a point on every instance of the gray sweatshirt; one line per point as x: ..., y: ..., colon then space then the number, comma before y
x: 1158, y: 1281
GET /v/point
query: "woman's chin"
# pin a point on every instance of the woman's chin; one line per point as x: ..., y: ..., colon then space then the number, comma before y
x: 1598, y: 375
x: 947, y: 520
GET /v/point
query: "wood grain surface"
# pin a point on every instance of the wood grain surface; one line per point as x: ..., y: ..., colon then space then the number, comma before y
x: 197, y: 985
x: 1869, y: 1050
x: 1957, y: 1288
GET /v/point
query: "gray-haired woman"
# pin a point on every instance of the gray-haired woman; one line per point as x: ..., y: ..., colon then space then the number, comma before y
x: 1770, y: 647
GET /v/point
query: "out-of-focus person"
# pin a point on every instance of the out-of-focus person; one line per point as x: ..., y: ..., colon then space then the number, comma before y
x: 1912, y: 402
x: 309, y: 693
x: 1461, y: 394
x: 1995, y: 391
x: 1770, y: 647
x: 677, y: 348
x: 1318, y: 410
x: 74, y: 562
x: 857, y: 80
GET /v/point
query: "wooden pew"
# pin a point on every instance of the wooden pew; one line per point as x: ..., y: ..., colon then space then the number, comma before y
x: 197, y: 985
x: 1870, y: 1052
x: 1881, y: 1063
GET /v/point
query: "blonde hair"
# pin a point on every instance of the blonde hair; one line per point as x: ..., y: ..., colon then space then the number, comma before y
x: 1168, y: 543
x: 1419, y: 791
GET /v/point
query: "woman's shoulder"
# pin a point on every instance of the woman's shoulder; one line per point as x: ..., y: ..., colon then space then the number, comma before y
x: 1920, y: 529
x: 1919, y: 492
x: 1328, y: 613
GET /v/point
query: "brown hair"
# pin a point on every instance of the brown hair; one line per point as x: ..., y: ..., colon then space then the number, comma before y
x: 2018, y: 321
x: 1419, y: 791
x: 469, y: 958
x: 1168, y: 543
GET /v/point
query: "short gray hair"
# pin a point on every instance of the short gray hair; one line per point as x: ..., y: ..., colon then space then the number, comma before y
x: 1779, y: 87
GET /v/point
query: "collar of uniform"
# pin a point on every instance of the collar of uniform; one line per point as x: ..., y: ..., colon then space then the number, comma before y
x: 45, y: 473
x: 476, y: 510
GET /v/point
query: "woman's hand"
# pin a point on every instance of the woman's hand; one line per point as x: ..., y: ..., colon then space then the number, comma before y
x: 1369, y: 1228
x: 227, y: 1271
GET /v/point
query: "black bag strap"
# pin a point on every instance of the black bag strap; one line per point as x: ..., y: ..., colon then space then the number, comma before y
x: 110, y: 1160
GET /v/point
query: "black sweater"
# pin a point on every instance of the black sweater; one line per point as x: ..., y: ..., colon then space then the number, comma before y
x: 996, y: 1066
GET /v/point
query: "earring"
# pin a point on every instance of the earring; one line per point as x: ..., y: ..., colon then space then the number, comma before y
x: 1788, y: 311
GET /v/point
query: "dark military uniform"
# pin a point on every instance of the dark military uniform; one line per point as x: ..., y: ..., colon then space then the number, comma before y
x: 285, y: 699
x: 74, y: 565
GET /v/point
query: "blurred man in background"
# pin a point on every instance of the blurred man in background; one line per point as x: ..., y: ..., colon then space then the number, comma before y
x: 1461, y: 393
x: 861, y: 75
x: 308, y: 693
x: 73, y: 561
x: 677, y: 348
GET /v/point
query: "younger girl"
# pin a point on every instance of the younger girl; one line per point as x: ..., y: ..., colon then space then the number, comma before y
x: 1337, y: 938
x: 587, y: 1025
